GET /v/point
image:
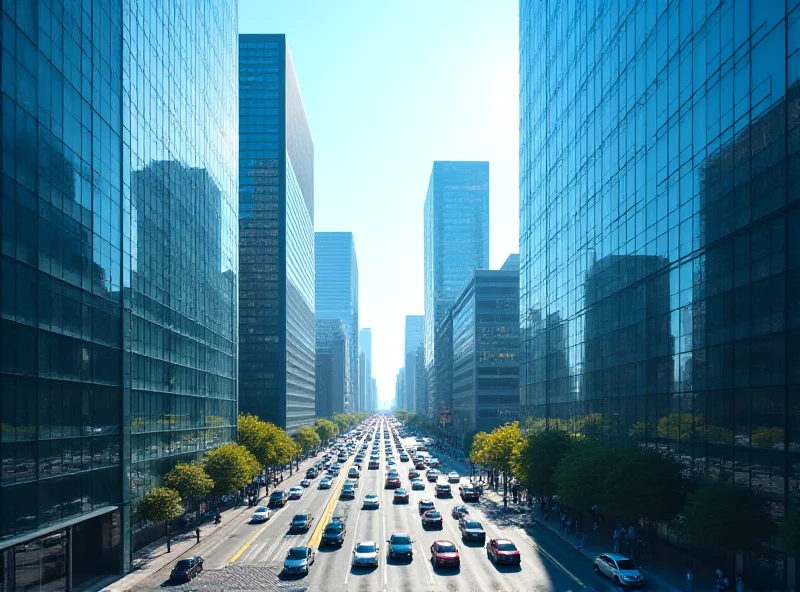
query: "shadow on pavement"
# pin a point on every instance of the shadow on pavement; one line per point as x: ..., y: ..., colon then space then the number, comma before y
x: 362, y: 570
x: 507, y: 569
x: 329, y: 549
x: 446, y: 571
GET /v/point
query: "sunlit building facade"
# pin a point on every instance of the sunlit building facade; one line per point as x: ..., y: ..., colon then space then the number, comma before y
x: 276, y: 244
x: 660, y: 234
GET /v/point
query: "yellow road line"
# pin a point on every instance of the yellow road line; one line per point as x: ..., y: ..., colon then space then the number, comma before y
x: 558, y: 564
x: 247, y: 544
x: 316, y: 537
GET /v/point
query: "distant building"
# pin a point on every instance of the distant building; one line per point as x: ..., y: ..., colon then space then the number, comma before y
x: 276, y: 238
x: 414, y: 336
x: 420, y: 383
x: 456, y: 245
x: 332, y: 367
x: 374, y: 394
x: 336, y: 289
x: 484, y: 375
x: 365, y: 395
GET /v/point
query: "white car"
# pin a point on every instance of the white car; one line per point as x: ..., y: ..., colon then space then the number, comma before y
x: 453, y: 477
x: 305, y: 483
x: 326, y: 483
x: 371, y: 501
x: 619, y: 568
x: 352, y: 482
x: 295, y: 492
x: 365, y: 554
x: 262, y: 514
x: 417, y: 484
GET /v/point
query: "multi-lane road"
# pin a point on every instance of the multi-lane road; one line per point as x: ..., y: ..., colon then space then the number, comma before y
x: 250, y: 556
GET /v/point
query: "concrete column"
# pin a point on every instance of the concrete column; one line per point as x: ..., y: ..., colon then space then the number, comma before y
x: 68, y: 586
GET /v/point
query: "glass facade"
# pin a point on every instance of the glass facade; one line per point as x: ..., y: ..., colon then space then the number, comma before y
x: 660, y: 232
x: 456, y: 244
x: 332, y: 367
x: 336, y: 292
x: 118, y: 286
x: 414, y: 334
x: 365, y: 379
x: 276, y: 246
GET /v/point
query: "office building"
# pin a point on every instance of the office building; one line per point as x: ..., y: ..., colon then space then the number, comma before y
x: 276, y: 238
x: 336, y: 291
x: 332, y: 367
x: 399, y: 389
x: 456, y: 244
x: 365, y: 391
x: 118, y: 284
x: 374, y: 394
x: 484, y: 375
x: 420, y: 383
x: 414, y: 334
x: 659, y: 218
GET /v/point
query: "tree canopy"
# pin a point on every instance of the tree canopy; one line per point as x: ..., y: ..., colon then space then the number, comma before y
x: 537, y: 457
x: 269, y: 444
x: 728, y: 517
x: 231, y: 467
x: 581, y: 474
x: 497, y: 448
x: 160, y: 504
x: 307, y: 438
x: 189, y: 480
x: 326, y: 429
x: 476, y: 454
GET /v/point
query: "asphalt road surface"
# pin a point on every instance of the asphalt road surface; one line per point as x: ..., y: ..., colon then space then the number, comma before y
x: 250, y: 556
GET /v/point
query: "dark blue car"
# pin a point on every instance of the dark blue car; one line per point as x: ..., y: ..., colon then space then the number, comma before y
x: 400, y: 547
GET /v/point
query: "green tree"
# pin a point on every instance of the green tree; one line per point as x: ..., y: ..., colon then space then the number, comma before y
x: 308, y: 439
x: 643, y: 484
x: 581, y: 475
x: 341, y: 421
x: 477, y: 454
x: 231, y: 467
x: 728, y: 517
x: 190, y: 481
x: 253, y: 434
x: 790, y: 530
x: 161, y: 504
x: 536, y: 459
x: 326, y: 430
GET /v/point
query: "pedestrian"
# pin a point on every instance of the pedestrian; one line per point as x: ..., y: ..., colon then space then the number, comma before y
x: 569, y: 525
x: 616, y: 540
x: 739, y: 584
x: 689, y: 578
x: 580, y: 540
x: 197, y: 534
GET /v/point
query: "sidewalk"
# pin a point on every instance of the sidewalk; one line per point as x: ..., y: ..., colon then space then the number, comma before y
x: 151, y: 559
x: 664, y: 570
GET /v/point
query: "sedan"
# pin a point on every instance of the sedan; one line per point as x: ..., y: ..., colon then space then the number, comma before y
x: 262, y: 514
x: 334, y: 533
x: 619, y: 568
x: 453, y: 477
x: 432, y: 519
x: 413, y: 474
x: 502, y: 551
x: 295, y: 493
x: 445, y: 554
x: 326, y: 483
x: 371, y: 501
x: 298, y: 559
x: 432, y: 476
x: 418, y: 485
x: 400, y: 547
x: 305, y: 483
x: 365, y: 554
x: 471, y: 530
x: 301, y: 523
x: 392, y: 482
x: 425, y: 505
x: 400, y: 496
x: 186, y: 569
x: 459, y: 511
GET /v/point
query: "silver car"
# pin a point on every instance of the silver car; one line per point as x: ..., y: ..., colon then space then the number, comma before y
x: 365, y: 554
x: 619, y: 568
x: 298, y: 559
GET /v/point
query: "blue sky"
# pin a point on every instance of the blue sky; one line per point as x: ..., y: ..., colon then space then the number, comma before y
x: 389, y: 86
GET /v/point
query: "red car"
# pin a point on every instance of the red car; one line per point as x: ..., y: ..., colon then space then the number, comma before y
x: 392, y: 482
x: 400, y: 496
x: 502, y: 551
x: 413, y: 473
x: 432, y: 519
x: 445, y: 554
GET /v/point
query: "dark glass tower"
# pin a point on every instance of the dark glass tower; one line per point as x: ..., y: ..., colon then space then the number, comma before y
x: 332, y: 367
x: 276, y: 247
x: 118, y: 286
x: 660, y: 233
x: 336, y: 289
x: 456, y: 244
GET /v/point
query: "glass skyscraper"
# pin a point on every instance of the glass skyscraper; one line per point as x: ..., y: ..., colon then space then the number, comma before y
x: 365, y: 381
x: 660, y: 232
x: 332, y: 367
x: 276, y: 245
x: 456, y: 244
x: 119, y: 259
x: 336, y: 291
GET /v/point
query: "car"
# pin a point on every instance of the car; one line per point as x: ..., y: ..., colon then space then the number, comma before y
x: 445, y: 554
x: 469, y: 493
x: 326, y: 483
x: 352, y: 482
x: 334, y: 533
x: 298, y: 560
x: 459, y: 511
x: 419, y: 465
x: 453, y: 477
x: 301, y: 523
x: 365, y: 554
x: 400, y: 496
x: 425, y: 505
x: 373, y: 464
x: 312, y: 473
x: 348, y: 491
x: 262, y: 514
x: 371, y: 501
x: 417, y: 484
x: 432, y: 476
x: 305, y: 483
x: 278, y: 498
x: 432, y: 519
x: 392, y: 483
x: 620, y: 569
x: 471, y: 530
x: 295, y: 493
x: 334, y: 472
x: 435, y: 462
x: 390, y: 462
x: 186, y: 569
x: 443, y: 490
x: 400, y: 546
x: 392, y: 473
x: 503, y: 551
x: 413, y: 474
x: 353, y: 473
x: 403, y: 457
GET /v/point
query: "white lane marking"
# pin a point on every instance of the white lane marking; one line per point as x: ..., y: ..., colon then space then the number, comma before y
x: 355, y: 533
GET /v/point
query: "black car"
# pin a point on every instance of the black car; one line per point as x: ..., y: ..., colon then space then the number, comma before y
x: 471, y: 530
x: 278, y: 499
x: 186, y: 569
x: 334, y: 533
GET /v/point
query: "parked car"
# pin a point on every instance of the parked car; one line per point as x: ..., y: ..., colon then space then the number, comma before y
x: 186, y: 569
x: 620, y: 569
